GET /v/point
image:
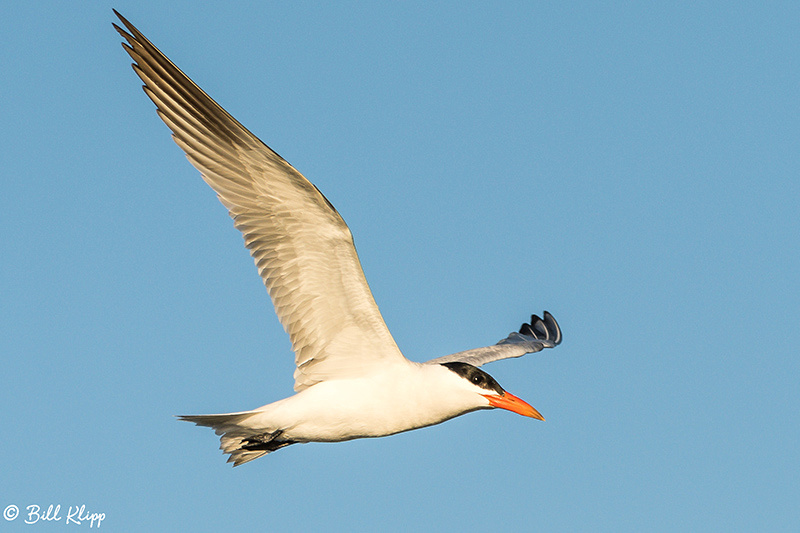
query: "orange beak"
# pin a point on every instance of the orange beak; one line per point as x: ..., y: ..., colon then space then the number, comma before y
x: 512, y: 403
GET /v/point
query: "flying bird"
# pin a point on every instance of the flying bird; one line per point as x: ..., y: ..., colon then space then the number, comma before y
x: 351, y: 379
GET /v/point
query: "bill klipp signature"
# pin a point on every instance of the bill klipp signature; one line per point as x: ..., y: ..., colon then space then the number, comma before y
x: 75, y: 515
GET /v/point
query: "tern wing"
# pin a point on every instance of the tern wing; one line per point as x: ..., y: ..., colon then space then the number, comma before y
x: 541, y: 333
x: 301, y: 245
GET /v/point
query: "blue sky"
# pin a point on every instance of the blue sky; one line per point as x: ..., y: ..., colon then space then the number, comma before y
x: 630, y: 167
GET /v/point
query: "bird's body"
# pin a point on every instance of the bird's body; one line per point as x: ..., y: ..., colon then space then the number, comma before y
x: 351, y: 379
x: 398, y: 398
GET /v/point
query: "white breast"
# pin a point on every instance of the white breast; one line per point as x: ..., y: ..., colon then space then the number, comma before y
x: 399, y: 398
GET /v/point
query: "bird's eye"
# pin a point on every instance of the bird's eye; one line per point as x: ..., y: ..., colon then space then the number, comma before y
x: 476, y: 379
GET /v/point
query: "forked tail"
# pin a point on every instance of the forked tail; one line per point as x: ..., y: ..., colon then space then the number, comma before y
x: 241, y: 442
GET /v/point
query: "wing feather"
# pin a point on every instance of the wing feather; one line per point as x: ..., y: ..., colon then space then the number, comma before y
x: 301, y: 246
x: 541, y: 333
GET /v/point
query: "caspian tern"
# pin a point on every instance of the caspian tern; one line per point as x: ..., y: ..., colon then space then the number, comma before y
x: 351, y: 379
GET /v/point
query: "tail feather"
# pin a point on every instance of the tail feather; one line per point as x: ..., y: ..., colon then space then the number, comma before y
x: 242, y: 443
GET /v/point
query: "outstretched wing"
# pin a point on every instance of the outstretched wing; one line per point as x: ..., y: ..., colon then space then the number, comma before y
x: 541, y: 333
x: 301, y: 245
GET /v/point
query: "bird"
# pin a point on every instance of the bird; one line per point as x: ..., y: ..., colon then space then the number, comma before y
x: 351, y: 380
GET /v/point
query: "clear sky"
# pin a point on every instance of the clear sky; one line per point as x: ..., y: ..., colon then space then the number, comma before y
x: 631, y: 167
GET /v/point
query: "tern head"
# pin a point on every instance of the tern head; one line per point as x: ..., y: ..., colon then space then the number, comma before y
x: 486, y: 386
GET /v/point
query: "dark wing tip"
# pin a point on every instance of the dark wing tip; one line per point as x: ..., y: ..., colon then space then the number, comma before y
x: 124, y: 22
x: 132, y: 37
x: 122, y: 19
x: 545, y: 329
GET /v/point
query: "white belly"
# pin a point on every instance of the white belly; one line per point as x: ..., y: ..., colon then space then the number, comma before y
x: 400, y: 399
